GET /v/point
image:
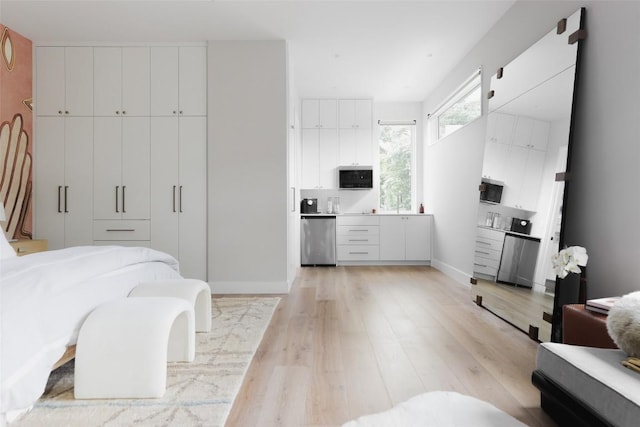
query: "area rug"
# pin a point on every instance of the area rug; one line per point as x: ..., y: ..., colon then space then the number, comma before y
x: 198, y: 394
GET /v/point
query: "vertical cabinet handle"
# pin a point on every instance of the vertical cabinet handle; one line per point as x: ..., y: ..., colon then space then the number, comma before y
x: 59, y: 205
x: 180, y: 199
x: 117, y: 193
x: 124, y: 197
x: 66, y: 189
x: 174, y: 198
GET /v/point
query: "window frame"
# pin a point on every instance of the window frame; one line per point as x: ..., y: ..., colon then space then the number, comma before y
x: 412, y: 125
x: 470, y: 84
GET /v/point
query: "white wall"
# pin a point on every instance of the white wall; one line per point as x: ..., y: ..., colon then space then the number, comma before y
x: 247, y: 164
x: 603, y: 203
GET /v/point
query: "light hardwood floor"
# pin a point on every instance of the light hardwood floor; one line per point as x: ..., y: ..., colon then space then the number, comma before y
x: 350, y: 341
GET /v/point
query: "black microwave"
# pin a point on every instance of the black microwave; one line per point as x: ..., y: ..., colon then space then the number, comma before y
x: 355, y: 179
x: 491, y: 191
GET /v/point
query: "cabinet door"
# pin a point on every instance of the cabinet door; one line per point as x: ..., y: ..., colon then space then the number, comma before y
x: 327, y: 113
x: 107, y: 173
x: 164, y: 184
x: 79, y: 81
x: 363, y: 115
x: 531, y: 183
x: 328, y: 158
x: 135, y: 168
x: 346, y: 114
x: 192, y: 197
x: 135, y: 81
x: 310, y: 113
x: 500, y: 128
x: 164, y: 81
x: 540, y: 135
x: 192, y: 86
x: 348, y: 147
x: 78, y: 170
x: 495, y: 159
x: 108, y: 81
x: 513, y: 176
x: 392, y: 238
x: 50, y: 78
x: 310, y: 158
x: 418, y: 238
x: 49, y: 177
x: 364, y: 146
x: 522, y: 132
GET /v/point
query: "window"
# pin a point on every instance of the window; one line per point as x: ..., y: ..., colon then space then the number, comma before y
x: 462, y: 107
x: 397, y: 159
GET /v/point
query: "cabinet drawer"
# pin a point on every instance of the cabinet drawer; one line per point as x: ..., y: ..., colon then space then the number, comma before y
x: 486, y: 253
x: 121, y: 230
x: 488, y: 233
x: 489, y: 262
x: 358, y: 220
x: 359, y: 239
x: 488, y: 244
x: 358, y: 230
x: 485, y: 269
x: 358, y: 253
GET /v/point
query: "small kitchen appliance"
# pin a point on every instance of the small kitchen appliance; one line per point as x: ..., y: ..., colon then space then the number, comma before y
x: 491, y: 191
x: 522, y: 226
x: 309, y: 206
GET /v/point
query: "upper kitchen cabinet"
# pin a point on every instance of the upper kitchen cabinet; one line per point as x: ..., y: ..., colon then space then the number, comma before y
x: 531, y: 133
x: 355, y: 113
x: 121, y: 167
x: 121, y: 81
x: 355, y: 133
x: 179, y: 81
x: 64, y: 81
x: 319, y: 158
x: 319, y: 113
x: 522, y: 176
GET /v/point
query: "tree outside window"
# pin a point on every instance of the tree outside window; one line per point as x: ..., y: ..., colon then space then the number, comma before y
x: 396, y: 152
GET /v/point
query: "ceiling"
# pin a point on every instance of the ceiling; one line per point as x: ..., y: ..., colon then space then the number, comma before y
x: 385, y: 50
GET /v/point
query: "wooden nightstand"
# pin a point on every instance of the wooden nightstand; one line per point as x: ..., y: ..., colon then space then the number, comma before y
x: 27, y: 246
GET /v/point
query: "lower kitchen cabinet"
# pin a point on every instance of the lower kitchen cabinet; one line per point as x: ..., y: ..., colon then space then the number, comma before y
x: 488, y: 252
x: 405, y: 237
x: 357, y: 238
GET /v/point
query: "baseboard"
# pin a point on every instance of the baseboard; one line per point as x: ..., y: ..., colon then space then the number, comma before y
x: 457, y: 275
x: 249, y: 287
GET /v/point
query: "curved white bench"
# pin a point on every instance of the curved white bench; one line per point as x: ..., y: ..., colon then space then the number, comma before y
x: 124, y: 345
x: 196, y: 292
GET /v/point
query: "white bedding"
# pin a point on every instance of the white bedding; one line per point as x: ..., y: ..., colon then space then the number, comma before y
x: 44, y: 299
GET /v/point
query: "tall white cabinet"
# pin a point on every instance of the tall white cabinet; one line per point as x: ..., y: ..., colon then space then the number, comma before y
x: 121, y: 148
x: 320, y: 148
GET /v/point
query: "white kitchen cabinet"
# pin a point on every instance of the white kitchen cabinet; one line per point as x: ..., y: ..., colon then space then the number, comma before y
x: 531, y: 133
x: 488, y: 251
x: 63, y: 191
x: 355, y: 113
x: 357, y: 238
x: 405, y: 238
x: 121, y: 76
x: 522, y: 176
x: 178, y: 81
x: 178, y: 191
x: 319, y: 114
x: 121, y: 168
x: 64, y: 81
x: 319, y: 158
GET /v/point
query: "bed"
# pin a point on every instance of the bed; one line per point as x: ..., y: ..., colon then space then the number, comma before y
x: 44, y: 299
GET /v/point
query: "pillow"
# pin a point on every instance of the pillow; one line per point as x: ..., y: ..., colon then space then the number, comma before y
x: 6, y: 250
x: 623, y: 323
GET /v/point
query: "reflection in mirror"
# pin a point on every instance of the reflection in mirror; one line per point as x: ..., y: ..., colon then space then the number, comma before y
x: 520, y: 209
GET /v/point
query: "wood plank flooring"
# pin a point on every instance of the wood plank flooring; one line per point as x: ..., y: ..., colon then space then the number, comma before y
x: 350, y: 341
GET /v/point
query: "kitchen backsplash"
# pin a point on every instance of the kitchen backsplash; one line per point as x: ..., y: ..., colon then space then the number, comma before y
x: 358, y: 201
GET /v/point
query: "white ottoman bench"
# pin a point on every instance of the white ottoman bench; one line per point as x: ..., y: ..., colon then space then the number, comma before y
x: 196, y: 292
x: 124, y: 345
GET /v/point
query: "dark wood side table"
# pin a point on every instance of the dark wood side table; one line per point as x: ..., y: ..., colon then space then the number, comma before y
x: 583, y: 327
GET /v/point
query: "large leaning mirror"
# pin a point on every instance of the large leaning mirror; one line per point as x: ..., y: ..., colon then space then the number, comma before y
x: 521, y: 188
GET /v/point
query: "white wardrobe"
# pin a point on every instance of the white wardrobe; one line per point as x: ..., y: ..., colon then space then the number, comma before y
x: 120, y: 149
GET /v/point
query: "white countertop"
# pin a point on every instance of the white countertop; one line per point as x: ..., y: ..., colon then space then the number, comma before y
x: 509, y: 232
x: 364, y: 214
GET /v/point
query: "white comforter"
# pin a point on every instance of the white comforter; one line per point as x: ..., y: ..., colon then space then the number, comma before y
x: 44, y: 299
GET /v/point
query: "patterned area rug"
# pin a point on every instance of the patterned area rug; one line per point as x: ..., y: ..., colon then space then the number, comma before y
x: 198, y: 394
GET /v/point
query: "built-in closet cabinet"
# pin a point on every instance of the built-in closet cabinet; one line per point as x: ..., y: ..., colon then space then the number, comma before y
x: 320, y: 149
x: 355, y: 133
x: 64, y: 81
x: 63, y: 190
x: 178, y: 81
x: 121, y: 81
x: 178, y: 191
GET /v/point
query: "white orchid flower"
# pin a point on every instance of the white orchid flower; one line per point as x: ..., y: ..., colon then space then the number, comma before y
x: 569, y: 260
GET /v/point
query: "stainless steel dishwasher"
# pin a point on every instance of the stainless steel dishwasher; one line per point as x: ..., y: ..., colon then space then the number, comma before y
x: 318, y: 240
x: 519, y: 257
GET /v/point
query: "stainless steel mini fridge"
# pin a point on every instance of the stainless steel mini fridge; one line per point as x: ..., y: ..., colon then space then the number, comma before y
x: 318, y: 240
x: 518, y: 263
